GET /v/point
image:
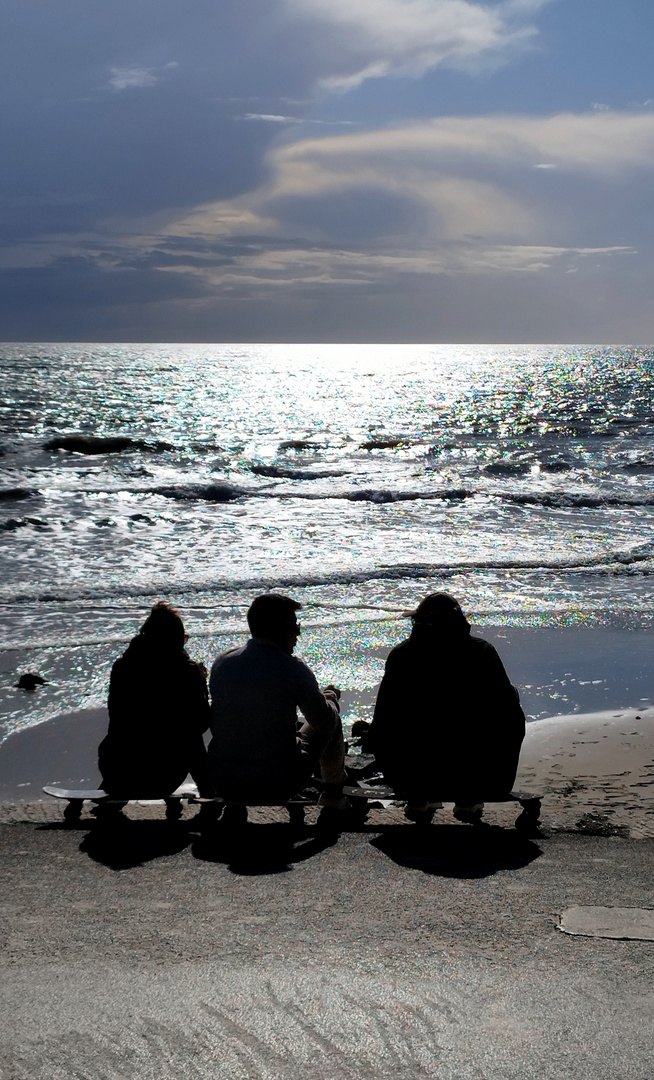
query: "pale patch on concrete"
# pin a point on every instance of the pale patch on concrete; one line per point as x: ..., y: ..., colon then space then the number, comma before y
x: 636, y: 924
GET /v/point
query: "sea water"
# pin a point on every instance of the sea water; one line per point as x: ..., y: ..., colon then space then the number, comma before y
x: 357, y: 478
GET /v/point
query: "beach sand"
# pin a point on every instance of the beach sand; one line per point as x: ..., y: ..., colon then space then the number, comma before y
x: 595, y: 771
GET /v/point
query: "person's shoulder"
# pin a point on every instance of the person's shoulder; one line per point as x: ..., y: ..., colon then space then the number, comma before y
x: 480, y: 644
x: 130, y: 658
x: 400, y: 651
x: 194, y: 667
x: 481, y: 648
x: 297, y: 663
x: 297, y: 666
x: 227, y: 656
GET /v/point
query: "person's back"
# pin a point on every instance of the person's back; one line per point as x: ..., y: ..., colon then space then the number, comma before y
x: 447, y: 721
x: 256, y: 690
x: 158, y: 709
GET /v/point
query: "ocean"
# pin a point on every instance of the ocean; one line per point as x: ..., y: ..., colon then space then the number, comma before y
x: 357, y: 478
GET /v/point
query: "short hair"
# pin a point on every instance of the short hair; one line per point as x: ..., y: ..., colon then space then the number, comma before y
x: 270, y: 612
x: 164, y: 625
x: 442, y: 612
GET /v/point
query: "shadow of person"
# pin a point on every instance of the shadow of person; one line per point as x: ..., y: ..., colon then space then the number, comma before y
x: 126, y: 844
x: 456, y: 851
x: 79, y: 825
x: 252, y: 850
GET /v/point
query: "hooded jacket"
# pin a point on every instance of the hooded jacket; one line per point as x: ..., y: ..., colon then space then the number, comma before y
x: 447, y: 721
x: 158, y: 711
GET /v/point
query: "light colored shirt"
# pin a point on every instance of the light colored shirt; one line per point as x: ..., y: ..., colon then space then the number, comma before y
x: 256, y: 691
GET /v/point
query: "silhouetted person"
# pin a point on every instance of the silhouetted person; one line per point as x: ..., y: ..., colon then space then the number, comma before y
x: 158, y: 711
x: 257, y: 752
x: 447, y: 721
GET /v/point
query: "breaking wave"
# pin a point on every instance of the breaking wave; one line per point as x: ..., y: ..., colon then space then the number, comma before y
x: 196, y: 492
x: 227, y: 492
x: 282, y: 473
x: 624, y: 560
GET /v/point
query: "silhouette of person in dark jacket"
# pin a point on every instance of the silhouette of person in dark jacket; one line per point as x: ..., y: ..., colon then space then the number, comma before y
x: 447, y: 722
x: 158, y: 711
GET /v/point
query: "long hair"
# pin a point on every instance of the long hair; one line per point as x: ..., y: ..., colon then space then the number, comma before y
x: 164, y: 627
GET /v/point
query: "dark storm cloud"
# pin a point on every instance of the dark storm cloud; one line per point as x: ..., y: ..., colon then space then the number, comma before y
x: 121, y: 107
x: 79, y: 282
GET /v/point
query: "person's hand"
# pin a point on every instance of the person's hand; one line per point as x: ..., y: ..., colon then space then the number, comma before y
x: 332, y: 693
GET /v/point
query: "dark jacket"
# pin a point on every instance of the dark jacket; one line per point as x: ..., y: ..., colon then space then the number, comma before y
x: 447, y: 721
x: 158, y: 711
x: 256, y: 691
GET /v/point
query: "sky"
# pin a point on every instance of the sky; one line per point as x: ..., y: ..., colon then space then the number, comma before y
x: 327, y: 170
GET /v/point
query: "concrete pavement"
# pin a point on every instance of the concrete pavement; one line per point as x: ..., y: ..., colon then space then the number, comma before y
x: 387, y: 952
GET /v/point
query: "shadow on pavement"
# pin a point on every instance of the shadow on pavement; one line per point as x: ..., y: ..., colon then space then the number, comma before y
x: 456, y: 851
x: 133, y: 843
x: 251, y: 849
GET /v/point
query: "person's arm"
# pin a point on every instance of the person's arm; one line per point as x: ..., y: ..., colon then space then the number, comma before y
x: 388, y: 707
x: 122, y: 693
x: 319, y: 709
x: 198, y: 719
x: 502, y: 695
x: 198, y: 765
x: 196, y: 697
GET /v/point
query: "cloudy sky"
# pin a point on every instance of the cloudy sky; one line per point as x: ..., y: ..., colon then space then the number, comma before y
x: 327, y: 170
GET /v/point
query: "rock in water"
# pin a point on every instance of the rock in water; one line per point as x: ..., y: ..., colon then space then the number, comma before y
x: 29, y: 681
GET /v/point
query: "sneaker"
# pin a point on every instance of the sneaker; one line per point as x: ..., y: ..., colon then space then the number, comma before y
x: 334, y: 802
x: 422, y: 813
x: 235, y: 815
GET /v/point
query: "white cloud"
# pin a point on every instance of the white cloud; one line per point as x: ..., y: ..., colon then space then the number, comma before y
x: 376, y: 38
x: 382, y: 213
x: 297, y: 268
x: 275, y: 118
x: 132, y: 78
x: 611, y: 142
x: 271, y: 118
x: 137, y: 77
x: 446, y: 196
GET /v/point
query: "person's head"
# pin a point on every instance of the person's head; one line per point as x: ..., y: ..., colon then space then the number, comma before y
x: 441, y: 615
x: 163, y: 627
x: 272, y: 616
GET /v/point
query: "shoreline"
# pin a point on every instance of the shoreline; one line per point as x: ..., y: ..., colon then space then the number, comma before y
x: 557, y: 669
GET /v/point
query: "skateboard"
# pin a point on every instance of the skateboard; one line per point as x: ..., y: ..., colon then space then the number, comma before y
x: 360, y: 793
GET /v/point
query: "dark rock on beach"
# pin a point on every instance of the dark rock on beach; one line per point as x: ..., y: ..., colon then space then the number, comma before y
x: 281, y: 473
x: 29, y: 681
x: 507, y: 468
x: 97, y: 444
x: 298, y: 444
x: 199, y: 492
x: 15, y: 494
x: 20, y: 523
x: 384, y: 444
